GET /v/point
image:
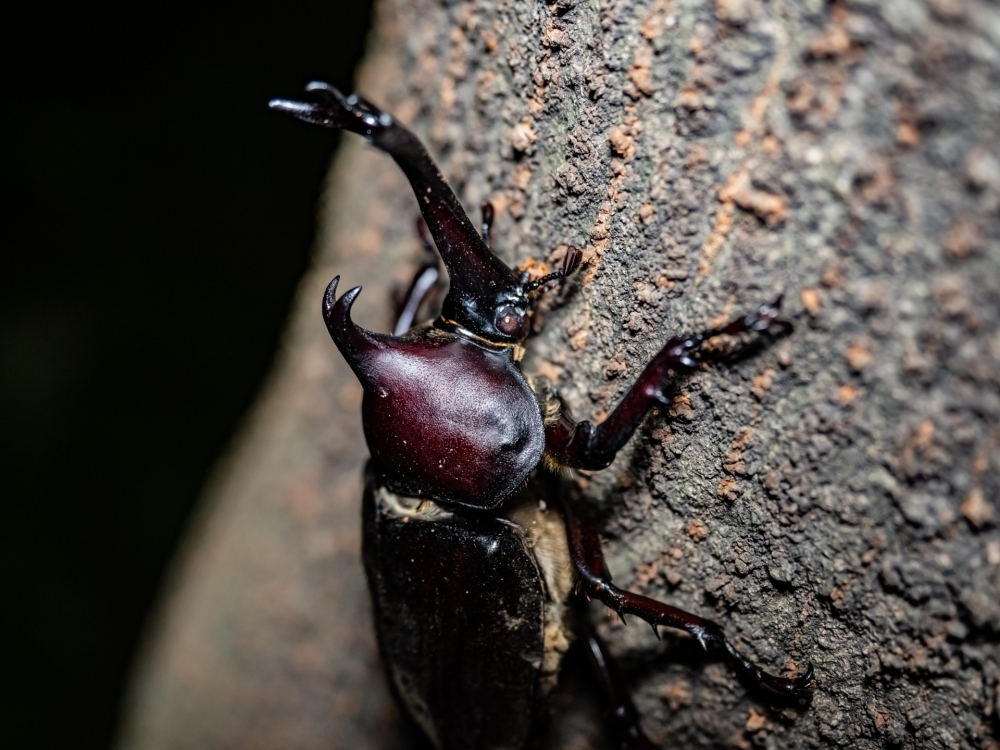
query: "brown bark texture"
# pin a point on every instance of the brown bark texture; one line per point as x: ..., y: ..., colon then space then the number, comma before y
x: 831, y: 498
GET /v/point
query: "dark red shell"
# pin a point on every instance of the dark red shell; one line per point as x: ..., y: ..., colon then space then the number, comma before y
x: 446, y: 417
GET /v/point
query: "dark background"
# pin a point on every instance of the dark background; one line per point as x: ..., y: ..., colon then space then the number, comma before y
x: 155, y: 220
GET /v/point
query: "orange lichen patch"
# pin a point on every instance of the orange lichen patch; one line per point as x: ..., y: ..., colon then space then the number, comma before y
x: 676, y: 694
x: 833, y: 42
x: 727, y: 489
x: 858, y: 356
x: 489, y: 38
x: 681, y: 407
x: 846, y: 394
x: 762, y: 383
x: 689, y: 98
x: 621, y: 142
x: 554, y: 36
x: 877, y: 185
x: 697, y: 530
x: 639, y: 73
x: 833, y: 277
x: 600, y: 230
x: 523, y: 136
x: 447, y: 93
x: 646, y: 212
x: 521, y: 176
x: 755, y: 721
x: 484, y: 82
x: 655, y: 23
x: 767, y: 206
x: 771, y: 146
x: 720, y: 230
x: 907, y: 134
x: 614, y: 368
x: 499, y: 201
x: 733, y: 461
x: 977, y: 510
x: 810, y: 301
x: 753, y: 121
x: 743, y: 438
x: 964, y: 238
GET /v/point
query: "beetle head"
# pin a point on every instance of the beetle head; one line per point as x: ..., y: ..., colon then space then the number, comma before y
x: 486, y: 299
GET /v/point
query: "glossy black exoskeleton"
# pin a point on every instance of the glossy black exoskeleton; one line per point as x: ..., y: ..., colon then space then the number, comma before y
x: 476, y: 568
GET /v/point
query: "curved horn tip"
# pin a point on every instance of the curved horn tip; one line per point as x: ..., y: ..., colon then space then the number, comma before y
x: 330, y: 295
x: 320, y: 86
x: 287, y: 105
x: 343, y: 305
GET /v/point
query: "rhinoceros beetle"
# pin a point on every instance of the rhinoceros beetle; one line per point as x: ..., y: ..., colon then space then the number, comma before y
x: 476, y: 565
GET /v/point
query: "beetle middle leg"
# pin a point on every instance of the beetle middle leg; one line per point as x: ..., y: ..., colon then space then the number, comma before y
x: 595, y: 581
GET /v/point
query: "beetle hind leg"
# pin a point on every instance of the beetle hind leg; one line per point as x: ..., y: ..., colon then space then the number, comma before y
x: 595, y: 581
x: 624, y: 717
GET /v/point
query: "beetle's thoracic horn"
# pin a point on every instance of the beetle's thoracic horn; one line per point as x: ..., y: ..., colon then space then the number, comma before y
x: 480, y: 281
x: 356, y: 344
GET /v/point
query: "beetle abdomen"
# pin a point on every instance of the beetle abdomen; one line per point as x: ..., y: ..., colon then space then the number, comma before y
x: 448, y: 419
x: 460, y: 611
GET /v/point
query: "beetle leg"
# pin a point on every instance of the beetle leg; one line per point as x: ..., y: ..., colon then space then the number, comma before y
x: 423, y: 283
x: 583, y: 445
x: 624, y: 716
x: 592, y: 573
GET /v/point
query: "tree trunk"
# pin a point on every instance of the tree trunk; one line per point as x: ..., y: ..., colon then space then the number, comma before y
x: 830, y: 498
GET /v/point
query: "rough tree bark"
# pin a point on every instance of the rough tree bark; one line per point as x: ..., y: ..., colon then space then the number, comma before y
x: 831, y: 498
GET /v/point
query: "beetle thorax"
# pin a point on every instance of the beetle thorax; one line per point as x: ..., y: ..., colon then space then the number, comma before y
x: 449, y: 419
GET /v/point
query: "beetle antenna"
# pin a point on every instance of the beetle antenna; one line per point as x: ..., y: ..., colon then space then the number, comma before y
x: 574, y: 256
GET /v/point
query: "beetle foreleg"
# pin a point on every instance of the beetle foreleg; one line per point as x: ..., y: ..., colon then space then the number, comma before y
x: 624, y: 716
x: 588, y: 562
x: 424, y: 281
x: 583, y: 445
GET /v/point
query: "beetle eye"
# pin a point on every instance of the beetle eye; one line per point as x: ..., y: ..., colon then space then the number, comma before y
x: 511, y: 322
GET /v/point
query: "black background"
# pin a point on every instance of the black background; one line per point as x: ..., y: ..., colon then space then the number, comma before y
x: 155, y: 220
